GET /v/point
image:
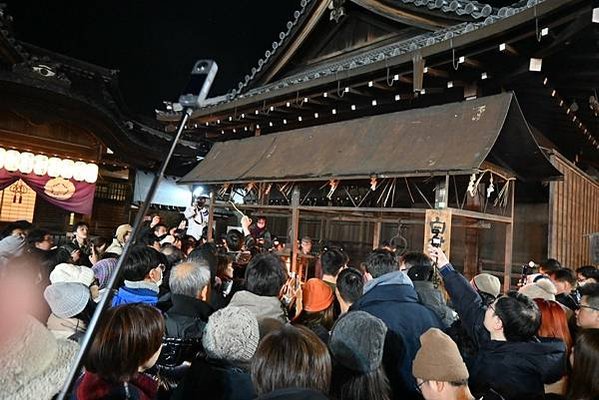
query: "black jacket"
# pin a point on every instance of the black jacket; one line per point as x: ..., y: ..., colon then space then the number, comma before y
x: 516, y: 370
x: 293, y: 394
x: 215, y: 379
x: 187, y: 317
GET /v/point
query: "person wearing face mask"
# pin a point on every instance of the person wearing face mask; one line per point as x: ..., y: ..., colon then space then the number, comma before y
x: 143, y: 272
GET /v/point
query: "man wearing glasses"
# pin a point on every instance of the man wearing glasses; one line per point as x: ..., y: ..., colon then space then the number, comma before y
x: 511, y: 360
x: 587, y: 316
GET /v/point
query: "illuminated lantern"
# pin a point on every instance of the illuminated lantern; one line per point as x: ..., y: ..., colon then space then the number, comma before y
x: 11, y: 162
x: 79, y: 171
x: 26, y: 163
x: 40, y: 164
x: 54, y: 167
x: 91, y: 173
x: 2, y: 157
x: 66, y: 169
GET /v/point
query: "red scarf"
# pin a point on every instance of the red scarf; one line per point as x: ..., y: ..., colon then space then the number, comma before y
x: 93, y: 387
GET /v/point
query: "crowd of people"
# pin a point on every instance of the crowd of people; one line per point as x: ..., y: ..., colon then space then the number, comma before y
x: 226, y: 320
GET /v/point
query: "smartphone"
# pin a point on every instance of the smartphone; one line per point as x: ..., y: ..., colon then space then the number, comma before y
x: 197, y: 88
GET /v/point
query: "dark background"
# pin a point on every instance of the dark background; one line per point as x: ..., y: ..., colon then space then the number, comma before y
x: 154, y: 43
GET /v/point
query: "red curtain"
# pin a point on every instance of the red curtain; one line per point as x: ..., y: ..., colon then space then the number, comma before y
x: 68, y: 194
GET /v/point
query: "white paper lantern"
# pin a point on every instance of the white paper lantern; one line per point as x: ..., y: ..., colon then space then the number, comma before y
x: 79, y: 171
x: 54, y: 167
x: 26, y: 163
x: 11, y: 162
x: 66, y: 169
x: 2, y: 156
x: 91, y: 173
x: 40, y: 164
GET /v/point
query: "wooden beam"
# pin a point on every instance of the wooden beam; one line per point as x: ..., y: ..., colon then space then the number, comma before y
x: 376, y: 239
x: 481, y: 216
x: 211, y: 216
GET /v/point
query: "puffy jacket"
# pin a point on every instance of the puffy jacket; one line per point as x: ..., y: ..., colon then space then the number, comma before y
x: 392, y: 298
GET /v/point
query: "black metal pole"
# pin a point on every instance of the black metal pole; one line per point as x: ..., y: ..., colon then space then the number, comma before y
x: 102, y: 305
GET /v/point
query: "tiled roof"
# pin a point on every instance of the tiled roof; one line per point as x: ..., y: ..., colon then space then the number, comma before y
x: 6, y: 34
x: 379, y: 54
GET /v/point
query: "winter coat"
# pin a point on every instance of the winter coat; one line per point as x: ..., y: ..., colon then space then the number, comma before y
x: 115, y: 247
x: 66, y: 328
x: 215, y: 379
x: 392, y: 298
x: 433, y: 299
x: 187, y: 317
x: 92, y: 387
x: 516, y: 370
x: 261, y: 306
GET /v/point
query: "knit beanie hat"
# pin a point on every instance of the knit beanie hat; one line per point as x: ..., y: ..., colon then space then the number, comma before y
x: 487, y: 283
x: 103, y: 269
x: 72, y: 273
x: 34, y: 363
x: 122, y: 231
x: 316, y: 295
x: 541, y: 289
x: 357, y: 341
x: 231, y: 334
x: 438, y: 359
x: 67, y: 299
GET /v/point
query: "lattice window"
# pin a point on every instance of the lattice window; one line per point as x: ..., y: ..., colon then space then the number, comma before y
x: 112, y: 191
x: 17, y: 202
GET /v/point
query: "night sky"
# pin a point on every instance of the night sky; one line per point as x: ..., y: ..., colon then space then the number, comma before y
x: 154, y: 43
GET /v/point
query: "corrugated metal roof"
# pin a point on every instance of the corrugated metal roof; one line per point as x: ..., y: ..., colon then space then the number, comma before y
x: 453, y: 138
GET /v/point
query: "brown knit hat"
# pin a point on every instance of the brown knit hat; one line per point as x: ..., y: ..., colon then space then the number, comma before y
x: 316, y: 295
x: 438, y: 359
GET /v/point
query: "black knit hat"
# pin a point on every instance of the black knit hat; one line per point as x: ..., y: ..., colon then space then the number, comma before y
x: 357, y: 341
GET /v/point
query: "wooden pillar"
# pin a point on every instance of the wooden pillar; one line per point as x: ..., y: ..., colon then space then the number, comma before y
x: 471, y: 253
x: 295, y: 213
x: 211, y: 216
x: 509, y: 236
x: 376, y: 239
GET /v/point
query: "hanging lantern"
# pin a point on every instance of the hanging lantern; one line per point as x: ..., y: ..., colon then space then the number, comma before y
x: 2, y: 157
x: 11, y: 162
x: 79, y: 171
x: 40, y: 164
x: 66, y: 168
x: 26, y: 163
x: 54, y: 167
x: 91, y: 173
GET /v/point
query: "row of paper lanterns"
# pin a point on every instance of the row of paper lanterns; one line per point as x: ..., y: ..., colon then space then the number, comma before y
x: 39, y: 164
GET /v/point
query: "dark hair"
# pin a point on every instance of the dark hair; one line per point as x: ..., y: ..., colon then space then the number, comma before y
x: 324, y: 318
x: 36, y: 236
x: 550, y: 265
x: 148, y: 239
x: 99, y: 242
x: 292, y: 357
x: 584, y: 380
x: 414, y: 258
x: 20, y: 224
x: 350, y: 285
x: 80, y: 224
x: 141, y: 261
x: 588, y: 271
x: 381, y: 262
x: 172, y: 254
x: 348, y: 384
x: 265, y: 275
x: 564, y: 275
x: 234, y: 240
x: 333, y: 260
x: 591, y: 291
x: 520, y: 316
x: 155, y: 228
x: 421, y: 272
x: 127, y: 337
x: 63, y: 253
x: 222, y: 265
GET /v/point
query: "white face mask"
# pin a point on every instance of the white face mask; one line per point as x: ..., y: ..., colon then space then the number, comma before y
x: 159, y: 282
